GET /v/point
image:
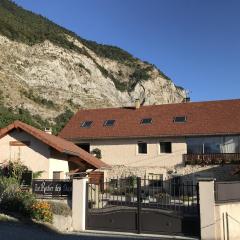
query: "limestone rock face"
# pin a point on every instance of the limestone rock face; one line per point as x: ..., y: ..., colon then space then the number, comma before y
x: 46, y: 78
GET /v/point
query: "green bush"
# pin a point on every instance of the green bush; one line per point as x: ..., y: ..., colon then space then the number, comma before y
x: 61, y: 120
x: 18, y: 202
x: 8, y: 185
x: 97, y: 153
x: 12, y: 199
x: 14, y: 170
x: 9, y: 115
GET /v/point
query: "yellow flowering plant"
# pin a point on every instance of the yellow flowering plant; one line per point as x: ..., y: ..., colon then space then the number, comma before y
x: 42, y: 211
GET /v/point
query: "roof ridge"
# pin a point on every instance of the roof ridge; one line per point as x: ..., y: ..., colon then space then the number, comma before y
x: 156, y: 105
x: 60, y: 144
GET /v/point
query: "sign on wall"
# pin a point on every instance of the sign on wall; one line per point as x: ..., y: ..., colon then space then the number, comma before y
x: 52, y: 188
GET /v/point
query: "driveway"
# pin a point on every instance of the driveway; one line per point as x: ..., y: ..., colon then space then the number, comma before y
x: 31, y: 231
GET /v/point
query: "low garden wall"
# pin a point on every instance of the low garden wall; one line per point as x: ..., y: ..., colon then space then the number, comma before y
x: 62, y: 214
x: 227, y: 221
x: 220, y: 210
x: 227, y: 210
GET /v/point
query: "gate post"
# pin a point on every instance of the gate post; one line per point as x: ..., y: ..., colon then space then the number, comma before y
x: 79, y: 203
x: 139, y: 200
x: 207, y: 209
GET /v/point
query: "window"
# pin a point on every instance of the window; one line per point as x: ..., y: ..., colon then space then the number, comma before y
x: 165, y: 147
x: 206, y: 145
x: 84, y: 146
x: 142, y: 147
x: 86, y: 124
x: 58, y: 175
x: 146, y: 121
x: 180, y: 119
x: 109, y: 123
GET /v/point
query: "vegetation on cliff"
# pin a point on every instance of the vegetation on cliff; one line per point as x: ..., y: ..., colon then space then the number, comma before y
x: 115, y: 64
x: 24, y: 26
x: 9, y: 115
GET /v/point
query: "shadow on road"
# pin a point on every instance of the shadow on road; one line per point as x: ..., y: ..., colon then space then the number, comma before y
x: 11, y: 230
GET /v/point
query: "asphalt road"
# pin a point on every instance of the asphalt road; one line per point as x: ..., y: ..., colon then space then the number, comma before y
x: 31, y: 231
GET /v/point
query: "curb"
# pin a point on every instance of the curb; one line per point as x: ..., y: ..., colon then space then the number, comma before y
x: 133, y: 235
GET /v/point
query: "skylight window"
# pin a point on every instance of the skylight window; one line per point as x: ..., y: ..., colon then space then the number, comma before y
x: 180, y: 119
x: 109, y: 123
x: 146, y: 121
x: 86, y: 124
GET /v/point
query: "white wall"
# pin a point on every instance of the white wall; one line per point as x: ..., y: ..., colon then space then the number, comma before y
x: 35, y: 156
x: 125, y: 152
x: 207, y: 210
x: 219, y: 221
x: 58, y: 166
x: 227, y: 215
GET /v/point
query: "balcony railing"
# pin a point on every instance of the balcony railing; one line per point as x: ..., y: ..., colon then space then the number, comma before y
x: 211, y: 158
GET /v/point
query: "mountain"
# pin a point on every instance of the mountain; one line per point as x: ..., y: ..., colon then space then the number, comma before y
x: 48, y: 72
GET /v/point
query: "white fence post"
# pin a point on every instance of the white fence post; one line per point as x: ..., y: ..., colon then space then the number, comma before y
x: 79, y: 203
x: 207, y: 209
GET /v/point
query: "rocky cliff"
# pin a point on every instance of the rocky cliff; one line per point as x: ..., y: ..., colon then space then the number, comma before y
x: 50, y: 69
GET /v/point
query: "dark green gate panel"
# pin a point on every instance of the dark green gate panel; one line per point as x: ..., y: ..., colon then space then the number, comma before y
x: 113, y: 219
x: 156, y: 221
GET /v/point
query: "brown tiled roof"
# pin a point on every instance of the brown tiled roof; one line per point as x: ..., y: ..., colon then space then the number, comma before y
x: 55, y: 142
x: 203, y: 118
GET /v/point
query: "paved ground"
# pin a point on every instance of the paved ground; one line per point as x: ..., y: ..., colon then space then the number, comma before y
x: 30, y: 231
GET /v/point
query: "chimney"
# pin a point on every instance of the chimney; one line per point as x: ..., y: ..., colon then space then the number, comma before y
x: 186, y: 100
x: 48, y: 130
x: 137, y: 104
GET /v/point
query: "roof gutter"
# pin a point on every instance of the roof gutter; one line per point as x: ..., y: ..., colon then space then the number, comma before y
x: 152, y: 136
x: 70, y: 153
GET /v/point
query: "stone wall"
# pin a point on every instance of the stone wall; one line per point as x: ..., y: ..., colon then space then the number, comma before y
x: 120, y: 171
x: 189, y: 172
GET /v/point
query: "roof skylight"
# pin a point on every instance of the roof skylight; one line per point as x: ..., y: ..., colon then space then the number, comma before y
x: 180, y: 119
x: 146, y: 121
x: 109, y: 123
x: 86, y: 124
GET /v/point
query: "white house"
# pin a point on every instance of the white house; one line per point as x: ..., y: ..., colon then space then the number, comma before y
x: 41, y: 151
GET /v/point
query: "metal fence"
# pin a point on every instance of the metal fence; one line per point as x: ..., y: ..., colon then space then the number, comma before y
x: 151, y: 193
x: 51, y: 188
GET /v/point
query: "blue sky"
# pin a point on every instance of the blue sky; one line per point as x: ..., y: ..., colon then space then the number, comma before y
x: 196, y: 43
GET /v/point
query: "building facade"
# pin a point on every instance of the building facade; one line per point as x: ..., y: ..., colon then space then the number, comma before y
x: 161, y: 138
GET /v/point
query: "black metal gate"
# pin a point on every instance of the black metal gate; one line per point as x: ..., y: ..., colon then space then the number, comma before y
x: 143, y: 206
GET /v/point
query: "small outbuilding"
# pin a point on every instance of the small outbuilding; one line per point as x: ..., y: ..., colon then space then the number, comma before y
x: 42, y: 151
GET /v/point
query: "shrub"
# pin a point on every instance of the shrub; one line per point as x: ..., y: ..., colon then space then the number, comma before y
x: 60, y: 208
x: 18, y: 202
x: 14, y: 170
x: 97, y: 153
x: 42, y: 211
x: 12, y: 199
x: 61, y: 120
x: 8, y: 115
x: 8, y: 184
x: 38, y: 99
